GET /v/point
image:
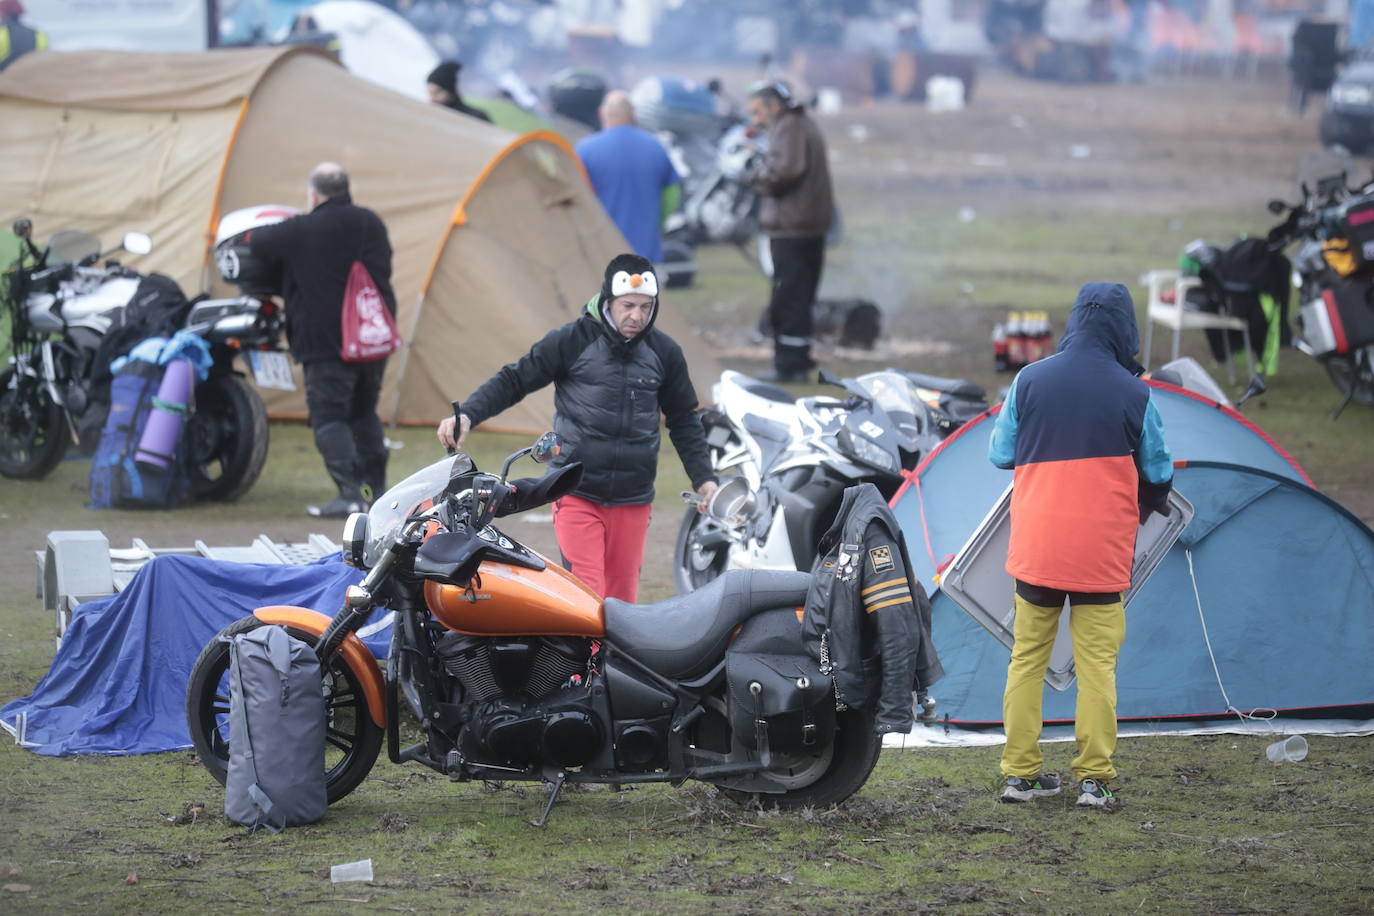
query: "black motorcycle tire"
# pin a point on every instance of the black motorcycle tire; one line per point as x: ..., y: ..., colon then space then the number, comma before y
x: 226, y: 439
x: 205, y: 706
x: 33, y: 429
x: 855, y: 755
x: 1345, y: 374
x: 686, y: 576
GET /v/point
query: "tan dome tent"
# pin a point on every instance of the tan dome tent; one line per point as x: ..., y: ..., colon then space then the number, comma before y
x: 497, y: 237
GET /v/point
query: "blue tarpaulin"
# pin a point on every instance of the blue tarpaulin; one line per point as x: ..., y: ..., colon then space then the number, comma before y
x: 118, y: 682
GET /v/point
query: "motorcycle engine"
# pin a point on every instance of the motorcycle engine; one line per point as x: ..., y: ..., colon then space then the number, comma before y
x: 525, y: 708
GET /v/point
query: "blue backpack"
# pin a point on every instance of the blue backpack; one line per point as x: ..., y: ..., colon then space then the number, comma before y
x: 118, y: 478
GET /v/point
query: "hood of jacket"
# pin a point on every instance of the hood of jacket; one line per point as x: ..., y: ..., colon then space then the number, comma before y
x: 1103, y: 318
x: 598, y: 312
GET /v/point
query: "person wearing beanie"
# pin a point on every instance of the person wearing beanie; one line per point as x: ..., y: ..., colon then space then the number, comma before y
x: 613, y: 374
x: 15, y: 37
x: 442, y: 85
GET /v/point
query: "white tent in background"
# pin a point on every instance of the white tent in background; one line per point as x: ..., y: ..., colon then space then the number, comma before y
x: 378, y: 45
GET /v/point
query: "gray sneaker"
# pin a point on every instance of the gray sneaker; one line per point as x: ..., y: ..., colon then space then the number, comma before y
x: 1095, y: 794
x: 1018, y: 789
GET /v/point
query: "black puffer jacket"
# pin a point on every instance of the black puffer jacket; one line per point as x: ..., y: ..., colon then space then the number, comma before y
x: 867, y: 617
x: 608, y: 393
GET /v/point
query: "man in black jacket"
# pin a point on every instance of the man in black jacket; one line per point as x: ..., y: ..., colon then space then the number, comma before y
x: 613, y: 373
x: 315, y: 252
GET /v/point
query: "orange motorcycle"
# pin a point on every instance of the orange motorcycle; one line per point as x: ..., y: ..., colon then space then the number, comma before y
x: 515, y: 670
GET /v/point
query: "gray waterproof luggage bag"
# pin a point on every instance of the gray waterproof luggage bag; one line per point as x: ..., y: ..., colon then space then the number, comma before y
x: 276, y: 731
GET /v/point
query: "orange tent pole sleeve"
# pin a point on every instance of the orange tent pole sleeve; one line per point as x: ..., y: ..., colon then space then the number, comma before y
x: 219, y: 182
x: 460, y: 215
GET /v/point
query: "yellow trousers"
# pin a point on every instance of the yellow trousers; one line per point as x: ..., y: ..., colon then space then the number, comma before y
x: 1098, y: 630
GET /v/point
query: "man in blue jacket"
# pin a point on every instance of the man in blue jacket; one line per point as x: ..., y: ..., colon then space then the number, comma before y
x: 1087, y: 445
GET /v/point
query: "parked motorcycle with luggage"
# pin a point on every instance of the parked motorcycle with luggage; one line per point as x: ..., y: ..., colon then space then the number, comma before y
x: 784, y: 462
x: 1333, y: 271
x: 515, y: 670
x: 712, y: 147
x: 70, y: 316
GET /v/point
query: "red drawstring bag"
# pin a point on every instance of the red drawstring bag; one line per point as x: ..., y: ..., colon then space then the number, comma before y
x: 369, y: 331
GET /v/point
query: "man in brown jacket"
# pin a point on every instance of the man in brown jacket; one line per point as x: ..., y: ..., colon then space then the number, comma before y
x: 795, y: 214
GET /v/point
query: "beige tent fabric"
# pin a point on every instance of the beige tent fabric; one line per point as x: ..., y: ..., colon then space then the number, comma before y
x: 496, y: 238
x: 121, y: 81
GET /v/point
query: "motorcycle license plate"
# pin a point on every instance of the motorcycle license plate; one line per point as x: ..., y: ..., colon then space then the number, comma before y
x: 272, y: 369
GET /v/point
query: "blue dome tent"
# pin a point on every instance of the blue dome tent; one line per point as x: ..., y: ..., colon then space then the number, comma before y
x: 1266, y: 602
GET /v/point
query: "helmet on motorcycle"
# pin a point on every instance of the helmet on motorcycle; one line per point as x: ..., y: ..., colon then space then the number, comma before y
x: 233, y: 253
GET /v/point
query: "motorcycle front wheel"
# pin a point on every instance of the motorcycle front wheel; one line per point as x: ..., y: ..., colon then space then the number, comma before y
x: 1353, y: 377
x: 353, y: 738
x: 824, y: 777
x: 703, y: 546
x: 33, y: 427
x: 226, y: 439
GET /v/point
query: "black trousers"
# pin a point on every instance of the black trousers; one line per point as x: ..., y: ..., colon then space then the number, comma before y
x: 797, y: 265
x: 1053, y: 597
x: 342, y: 400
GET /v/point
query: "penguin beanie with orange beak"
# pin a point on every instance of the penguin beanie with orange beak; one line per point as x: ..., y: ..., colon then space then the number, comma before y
x: 629, y: 273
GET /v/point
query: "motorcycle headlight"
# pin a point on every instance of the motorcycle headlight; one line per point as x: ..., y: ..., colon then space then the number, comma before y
x: 867, y: 451
x: 1351, y: 94
x: 355, y: 538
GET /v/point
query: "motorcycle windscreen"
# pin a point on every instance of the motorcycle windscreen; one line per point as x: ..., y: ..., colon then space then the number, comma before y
x: 977, y: 580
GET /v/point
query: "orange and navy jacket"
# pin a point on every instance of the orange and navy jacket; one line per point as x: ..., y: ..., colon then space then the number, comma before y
x: 1087, y: 445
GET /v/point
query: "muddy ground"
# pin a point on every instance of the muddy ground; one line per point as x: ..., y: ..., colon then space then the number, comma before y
x: 951, y: 220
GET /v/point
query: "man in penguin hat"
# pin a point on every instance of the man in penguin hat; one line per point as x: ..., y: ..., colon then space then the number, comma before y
x: 613, y: 374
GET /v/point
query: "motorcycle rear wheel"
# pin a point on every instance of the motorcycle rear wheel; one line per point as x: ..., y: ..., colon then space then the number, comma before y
x: 839, y: 770
x: 354, y: 740
x: 33, y: 428
x: 1352, y: 379
x: 226, y: 439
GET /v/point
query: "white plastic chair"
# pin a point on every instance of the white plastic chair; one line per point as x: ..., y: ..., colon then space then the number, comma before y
x: 1174, y: 316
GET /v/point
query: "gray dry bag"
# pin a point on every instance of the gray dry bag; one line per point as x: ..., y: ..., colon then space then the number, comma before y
x: 276, y: 731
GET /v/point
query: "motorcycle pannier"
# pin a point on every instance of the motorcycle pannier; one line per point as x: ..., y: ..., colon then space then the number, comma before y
x: 1341, y: 319
x: 1357, y: 226
x: 785, y: 695
x: 276, y: 731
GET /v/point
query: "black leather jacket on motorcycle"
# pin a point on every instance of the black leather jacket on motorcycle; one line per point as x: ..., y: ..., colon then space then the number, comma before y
x: 866, y: 616
x: 608, y: 393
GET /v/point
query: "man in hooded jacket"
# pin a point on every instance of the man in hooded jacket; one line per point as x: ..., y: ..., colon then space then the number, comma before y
x: 1087, y: 445
x: 613, y: 373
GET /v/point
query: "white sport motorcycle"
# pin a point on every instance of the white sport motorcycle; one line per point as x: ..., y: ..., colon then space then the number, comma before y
x: 784, y: 462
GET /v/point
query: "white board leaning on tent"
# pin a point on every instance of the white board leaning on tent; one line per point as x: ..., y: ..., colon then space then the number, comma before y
x: 977, y: 580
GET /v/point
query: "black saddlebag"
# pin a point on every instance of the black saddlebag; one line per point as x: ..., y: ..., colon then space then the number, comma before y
x: 784, y: 695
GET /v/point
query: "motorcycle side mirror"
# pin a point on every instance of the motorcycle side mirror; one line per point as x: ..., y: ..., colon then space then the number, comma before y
x: 1277, y: 207
x: 826, y: 377
x: 22, y: 228
x: 137, y: 243
x: 546, y: 448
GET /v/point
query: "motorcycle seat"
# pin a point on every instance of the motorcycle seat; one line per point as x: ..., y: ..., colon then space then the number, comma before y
x: 682, y: 637
x: 955, y: 386
x: 767, y: 390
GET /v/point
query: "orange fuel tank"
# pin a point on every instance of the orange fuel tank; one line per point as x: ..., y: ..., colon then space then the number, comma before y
x: 514, y: 601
